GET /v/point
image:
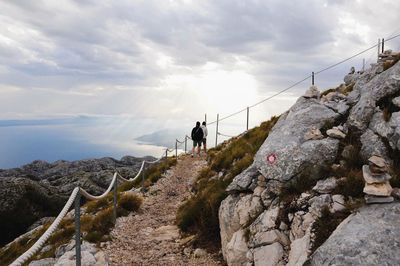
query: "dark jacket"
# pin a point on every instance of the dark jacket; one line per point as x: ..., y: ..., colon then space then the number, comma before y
x: 197, y: 134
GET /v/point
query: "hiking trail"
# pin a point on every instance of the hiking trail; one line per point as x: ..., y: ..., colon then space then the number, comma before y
x: 150, y: 236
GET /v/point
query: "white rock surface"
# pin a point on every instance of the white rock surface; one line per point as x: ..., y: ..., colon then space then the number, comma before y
x: 236, y: 249
x: 269, y: 255
x: 299, y: 250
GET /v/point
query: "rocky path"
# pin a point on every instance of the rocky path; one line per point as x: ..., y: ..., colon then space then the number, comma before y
x: 150, y: 237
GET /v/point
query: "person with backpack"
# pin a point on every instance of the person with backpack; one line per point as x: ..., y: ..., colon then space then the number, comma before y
x: 205, y: 133
x: 197, y: 137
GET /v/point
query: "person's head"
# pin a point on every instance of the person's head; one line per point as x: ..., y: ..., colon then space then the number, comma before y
x: 197, y: 124
x: 204, y: 123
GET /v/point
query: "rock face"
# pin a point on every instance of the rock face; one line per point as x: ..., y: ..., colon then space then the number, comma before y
x: 368, y: 237
x: 40, y: 189
x: 255, y: 219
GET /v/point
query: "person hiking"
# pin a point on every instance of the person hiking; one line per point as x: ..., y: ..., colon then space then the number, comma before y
x: 197, y: 137
x: 205, y: 133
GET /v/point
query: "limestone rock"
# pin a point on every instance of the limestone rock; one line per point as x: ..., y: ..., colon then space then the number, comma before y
x: 396, y: 101
x: 382, y: 189
x: 318, y: 203
x: 338, y: 203
x: 243, y: 180
x: 373, y: 178
x: 325, y: 186
x: 248, y: 208
x: 370, y: 91
x: 266, y: 221
x: 369, y: 199
x: 371, y: 236
x: 236, y: 249
x: 372, y: 145
x: 269, y: 237
x: 43, y: 262
x: 396, y: 193
x: 335, y: 133
x: 314, y: 134
x: 299, y: 251
x: 378, y: 161
x: 268, y: 255
x: 379, y: 126
x: 228, y: 220
x: 312, y: 92
x: 198, y: 252
x: 286, y: 142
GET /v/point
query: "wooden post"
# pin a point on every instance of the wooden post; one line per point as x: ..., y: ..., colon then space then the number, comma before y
x: 247, y: 124
x: 312, y: 78
x: 216, y: 133
x: 78, y: 229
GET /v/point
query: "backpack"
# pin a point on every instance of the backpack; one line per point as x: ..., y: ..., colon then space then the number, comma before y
x: 198, y: 133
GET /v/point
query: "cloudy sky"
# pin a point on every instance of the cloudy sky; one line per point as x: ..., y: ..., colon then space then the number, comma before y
x: 159, y: 63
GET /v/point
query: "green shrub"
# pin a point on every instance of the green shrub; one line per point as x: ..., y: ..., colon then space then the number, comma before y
x: 130, y: 201
x: 352, y: 185
x: 200, y: 213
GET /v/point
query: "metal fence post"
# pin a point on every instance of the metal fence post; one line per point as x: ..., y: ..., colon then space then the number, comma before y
x: 216, y: 133
x: 363, y: 64
x: 78, y: 229
x: 144, y: 168
x: 312, y: 78
x: 185, y: 144
x: 383, y: 45
x: 176, y: 149
x: 379, y: 47
x: 205, y: 118
x: 166, y: 153
x: 247, y: 125
x: 115, y: 201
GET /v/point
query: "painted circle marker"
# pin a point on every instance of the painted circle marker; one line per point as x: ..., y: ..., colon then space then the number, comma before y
x: 271, y: 158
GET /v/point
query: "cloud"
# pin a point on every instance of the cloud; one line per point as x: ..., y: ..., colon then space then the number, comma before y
x: 150, y: 58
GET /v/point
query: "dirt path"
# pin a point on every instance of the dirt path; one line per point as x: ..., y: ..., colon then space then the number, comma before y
x: 150, y: 237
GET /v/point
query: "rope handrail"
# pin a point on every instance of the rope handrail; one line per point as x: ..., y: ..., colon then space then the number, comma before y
x: 40, y: 242
x: 46, y: 235
x: 224, y: 135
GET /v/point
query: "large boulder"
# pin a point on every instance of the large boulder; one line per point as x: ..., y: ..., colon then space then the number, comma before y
x: 381, y: 86
x: 370, y: 236
x: 292, y: 152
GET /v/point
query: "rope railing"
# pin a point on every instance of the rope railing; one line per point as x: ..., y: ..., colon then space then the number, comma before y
x: 75, y: 196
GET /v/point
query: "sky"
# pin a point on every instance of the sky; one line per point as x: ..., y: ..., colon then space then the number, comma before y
x: 106, y: 72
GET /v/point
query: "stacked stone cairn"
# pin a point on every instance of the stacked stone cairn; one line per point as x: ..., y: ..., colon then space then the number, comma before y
x: 377, y: 187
